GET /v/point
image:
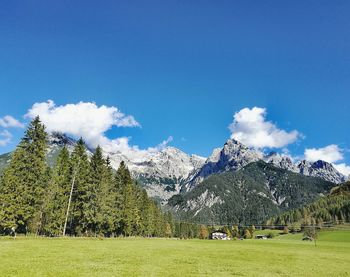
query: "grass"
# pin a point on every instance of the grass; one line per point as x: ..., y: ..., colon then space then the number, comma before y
x: 283, y: 256
x: 266, y: 232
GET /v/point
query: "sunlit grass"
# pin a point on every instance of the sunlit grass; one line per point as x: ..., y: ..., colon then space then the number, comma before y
x: 170, y: 257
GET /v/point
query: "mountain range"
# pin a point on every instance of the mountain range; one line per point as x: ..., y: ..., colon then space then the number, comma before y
x: 170, y: 171
x: 249, y: 195
x: 235, y: 155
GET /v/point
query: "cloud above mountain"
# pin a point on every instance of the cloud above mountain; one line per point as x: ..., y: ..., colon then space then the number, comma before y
x: 332, y: 154
x: 87, y: 120
x: 250, y: 127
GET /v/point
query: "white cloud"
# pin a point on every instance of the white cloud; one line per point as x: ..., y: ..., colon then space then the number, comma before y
x: 331, y: 153
x: 162, y: 145
x: 133, y: 152
x: 83, y: 119
x: 5, y: 137
x: 87, y: 120
x: 343, y: 169
x: 10, y: 122
x: 251, y: 128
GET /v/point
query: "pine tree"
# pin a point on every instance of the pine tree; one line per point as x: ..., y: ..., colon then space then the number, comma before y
x: 24, y: 182
x: 56, y: 200
x: 95, y: 196
x: 147, y: 215
x: 123, y: 176
x: 131, y: 217
x: 82, y: 214
x: 130, y: 221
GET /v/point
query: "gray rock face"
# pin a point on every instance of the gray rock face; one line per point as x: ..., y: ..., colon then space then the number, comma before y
x: 322, y: 170
x: 233, y: 156
x: 281, y: 161
x: 161, y: 173
x: 166, y: 172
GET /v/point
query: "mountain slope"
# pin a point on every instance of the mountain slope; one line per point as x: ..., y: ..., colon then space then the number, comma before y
x: 250, y: 195
x: 164, y: 172
x: 4, y: 160
x: 235, y: 155
x: 170, y: 171
x: 333, y: 208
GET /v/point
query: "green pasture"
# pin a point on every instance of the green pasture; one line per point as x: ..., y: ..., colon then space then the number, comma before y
x: 285, y: 255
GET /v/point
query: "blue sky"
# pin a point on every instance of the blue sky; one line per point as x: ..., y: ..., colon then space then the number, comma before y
x: 183, y: 68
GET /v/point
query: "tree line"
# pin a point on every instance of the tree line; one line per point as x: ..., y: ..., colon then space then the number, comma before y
x: 331, y: 209
x: 79, y: 196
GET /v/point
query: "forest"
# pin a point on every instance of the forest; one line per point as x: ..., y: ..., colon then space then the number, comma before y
x: 78, y: 196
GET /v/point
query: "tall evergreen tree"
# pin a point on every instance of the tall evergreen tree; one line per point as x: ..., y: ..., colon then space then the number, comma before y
x: 56, y: 200
x: 123, y: 176
x: 24, y: 182
x: 82, y: 214
x: 93, y: 190
x: 108, y: 199
x: 130, y: 214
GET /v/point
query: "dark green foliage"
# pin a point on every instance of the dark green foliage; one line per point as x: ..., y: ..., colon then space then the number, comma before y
x: 24, y: 182
x: 186, y: 230
x: 83, y: 211
x: 56, y: 198
x: 248, y: 196
x: 331, y: 209
x: 34, y: 197
x: 343, y: 189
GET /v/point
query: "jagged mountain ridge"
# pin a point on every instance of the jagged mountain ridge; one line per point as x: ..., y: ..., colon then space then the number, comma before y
x: 235, y: 155
x: 170, y: 171
x: 161, y: 173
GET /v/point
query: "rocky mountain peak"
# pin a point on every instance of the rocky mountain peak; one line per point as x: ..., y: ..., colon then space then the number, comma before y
x: 322, y: 165
x: 60, y: 139
x: 232, y: 156
x: 320, y: 169
x: 281, y: 161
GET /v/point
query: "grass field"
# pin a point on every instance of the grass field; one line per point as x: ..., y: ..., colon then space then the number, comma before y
x: 284, y: 256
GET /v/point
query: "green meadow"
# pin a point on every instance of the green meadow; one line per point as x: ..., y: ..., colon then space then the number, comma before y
x: 284, y: 255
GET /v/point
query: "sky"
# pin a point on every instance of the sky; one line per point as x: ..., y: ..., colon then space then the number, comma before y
x: 138, y: 75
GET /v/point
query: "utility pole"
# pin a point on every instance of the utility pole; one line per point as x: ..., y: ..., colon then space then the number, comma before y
x: 70, y: 198
x: 315, y: 235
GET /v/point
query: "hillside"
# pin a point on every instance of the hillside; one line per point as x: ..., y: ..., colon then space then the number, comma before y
x: 333, y: 208
x: 4, y: 160
x: 250, y: 195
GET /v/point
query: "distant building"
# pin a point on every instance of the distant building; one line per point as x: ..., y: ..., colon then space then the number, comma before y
x: 219, y: 235
x: 261, y: 237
